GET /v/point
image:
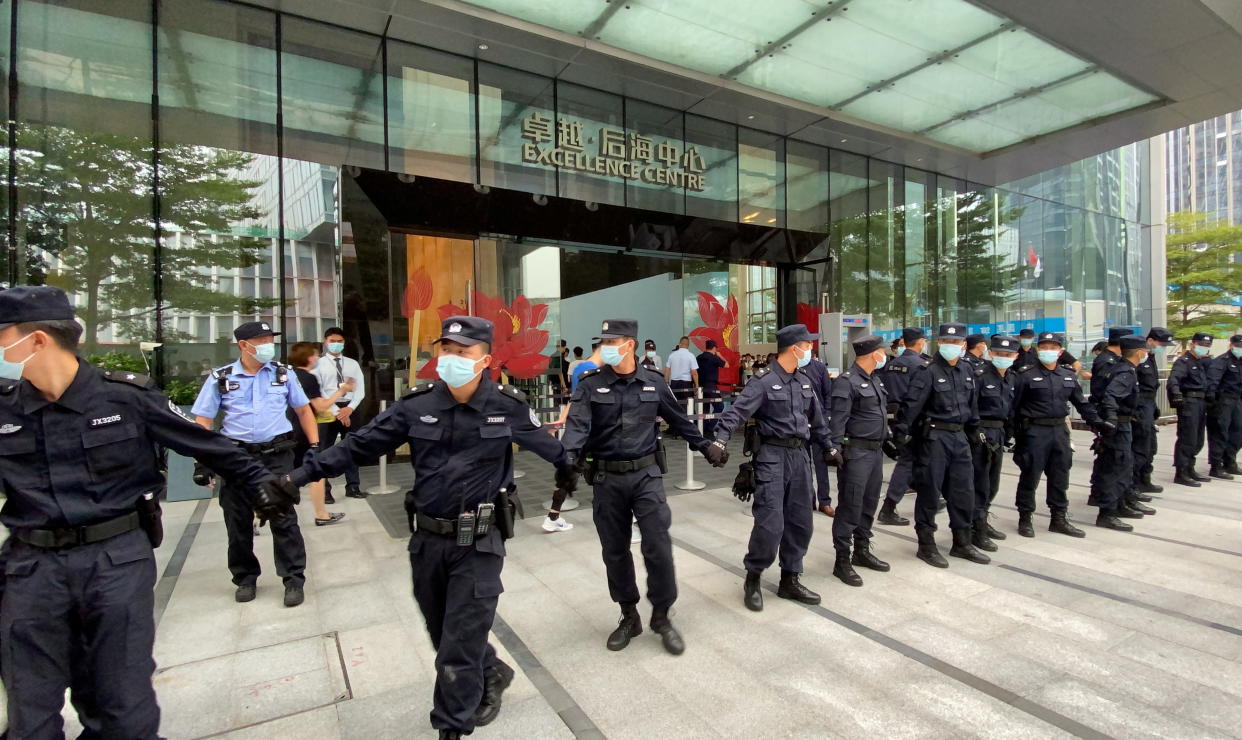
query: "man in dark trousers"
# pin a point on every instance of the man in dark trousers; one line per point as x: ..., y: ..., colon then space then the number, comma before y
x: 939, y: 414
x: 1143, y: 428
x: 788, y: 417
x: 1188, y: 388
x: 994, y: 384
x: 1112, y: 474
x: 857, y: 434
x: 817, y: 371
x: 1224, y: 411
x: 1040, y: 397
x: 897, y: 376
x: 80, y: 467
x: 1102, y: 367
x: 461, y: 430
x: 710, y: 363
x: 611, y: 431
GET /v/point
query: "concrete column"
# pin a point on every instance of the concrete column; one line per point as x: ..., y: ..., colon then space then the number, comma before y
x: 1153, y: 213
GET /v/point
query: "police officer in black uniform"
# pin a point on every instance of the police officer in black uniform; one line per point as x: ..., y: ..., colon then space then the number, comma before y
x: 939, y: 414
x: 1188, y: 388
x: 1224, y: 411
x: 1101, y: 369
x: 1112, y: 476
x: 896, y: 375
x: 1028, y: 354
x: 857, y: 434
x: 80, y: 467
x: 994, y: 384
x: 611, y: 432
x: 789, y: 417
x: 821, y: 383
x: 1143, y: 428
x: 976, y: 348
x: 461, y: 430
x: 1040, y: 395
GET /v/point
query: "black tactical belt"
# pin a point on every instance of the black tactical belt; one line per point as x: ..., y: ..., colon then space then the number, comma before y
x: 55, y: 539
x: 947, y: 426
x: 266, y: 448
x: 443, y: 527
x: 783, y: 441
x: 1123, y: 419
x: 627, y: 466
x: 992, y: 423
x: 1194, y: 394
x: 1230, y: 396
x: 863, y: 444
x: 1148, y: 395
x: 1048, y: 422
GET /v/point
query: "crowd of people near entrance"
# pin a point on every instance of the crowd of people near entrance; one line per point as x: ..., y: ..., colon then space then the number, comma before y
x: 80, y: 467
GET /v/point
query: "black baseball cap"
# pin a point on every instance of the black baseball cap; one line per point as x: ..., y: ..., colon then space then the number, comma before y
x: 1115, y: 333
x: 1202, y: 337
x: 868, y: 344
x: 952, y: 331
x: 975, y: 339
x: 911, y: 334
x: 1028, y: 333
x: 1236, y: 340
x: 790, y: 335
x: 1005, y: 343
x: 254, y: 330
x: 467, y: 330
x: 1132, y: 341
x: 33, y: 303
x: 1160, y: 335
x: 617, y: 328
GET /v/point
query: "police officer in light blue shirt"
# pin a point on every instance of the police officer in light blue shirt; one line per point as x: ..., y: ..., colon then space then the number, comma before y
x: 253, y: 393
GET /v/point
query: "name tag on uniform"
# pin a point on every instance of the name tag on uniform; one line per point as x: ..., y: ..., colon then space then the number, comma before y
x: 105, y: 420
x: 649, y: 387
x: 804, y: 385
x: 602, y: 390
x: 494, y: 420
x: 428, y: 419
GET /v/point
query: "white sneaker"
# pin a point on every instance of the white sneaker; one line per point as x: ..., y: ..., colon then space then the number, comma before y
x: 556, y: 525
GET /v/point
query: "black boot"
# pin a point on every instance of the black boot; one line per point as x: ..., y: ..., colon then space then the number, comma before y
x: 630, y: 626
x: 1137, y: 495
x: 1197, y: 475
x: 979, y: 536
x: 1125, y: 512
x: 888, y: 515
x: 1185, y: 477
x: 845, y: 571
x: 495, y: 681
x: 1218, y: 471
x: 790, y: 588
x: 1060, y: 524
x: 1146, y: 486
x: 1134, y: 503
x: 993, y: 532
x: 962, y: 548
x: 1025, y: 528
x: 1232, y: 468
x: 1108, y: 520
x: 450, y: 734
x: 865, y: 558
x: 752, y: 593
x: 669, y: 635
x: 928, y: 552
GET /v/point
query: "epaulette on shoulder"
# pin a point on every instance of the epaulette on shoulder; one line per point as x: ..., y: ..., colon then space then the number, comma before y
x: 8, y: 386
x: 1025, y: 369
x: 588, y: 373
x: 924, y: 362
x: 511, y: 392
x: 845, y: 374
x: 896, y: 368
x: 418, y: 388
x: 761, y: 372
x: 121, y: 376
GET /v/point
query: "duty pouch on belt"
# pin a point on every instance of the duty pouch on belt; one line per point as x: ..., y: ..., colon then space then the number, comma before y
x: 592, y: 471
x: 661, y: 460
x: 750, y: 439
x: 283, y: 445
x: 151, y: 517
x: 506, y: 511
x: 411, y: 509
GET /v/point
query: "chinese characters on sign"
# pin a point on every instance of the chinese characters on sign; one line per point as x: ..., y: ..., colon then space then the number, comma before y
x: 630, y: 156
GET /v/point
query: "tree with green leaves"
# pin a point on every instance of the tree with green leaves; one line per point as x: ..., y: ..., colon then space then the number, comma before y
x: 1204, y: 275
x: 85, y: 213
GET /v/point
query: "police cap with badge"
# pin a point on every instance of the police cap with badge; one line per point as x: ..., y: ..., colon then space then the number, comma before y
x: 29, y: 303
x: 1050, y: 336
x: 1005, y: 343
x: 1132, y: 341
x: 466, y: 330
x: 1161, y: 336
x: 1115, y: 333
x: 952, y: 331
x: 912, y: 334
x: 617, y: 329
x: 866, y: 345
x: 254, y: 330
x: 787, y: 336
x: 1202, y: 338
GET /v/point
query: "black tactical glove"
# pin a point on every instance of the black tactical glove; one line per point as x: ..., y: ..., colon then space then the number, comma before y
x: 744, y: 483
x: 977, y: 437
x: 1176, y: 400
x: 1105, y: 427
x: 833, y: 458
x: 202, y: 475
x: 275, y: 497
x: 716, y: 453
x: 567, y: 478
x: 890, y: 449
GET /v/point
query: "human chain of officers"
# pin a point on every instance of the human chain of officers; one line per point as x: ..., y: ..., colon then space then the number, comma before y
x: 81, y: 468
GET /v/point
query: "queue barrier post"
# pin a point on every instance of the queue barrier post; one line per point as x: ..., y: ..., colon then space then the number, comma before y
x: 690, y: 484
x: 384, y: 487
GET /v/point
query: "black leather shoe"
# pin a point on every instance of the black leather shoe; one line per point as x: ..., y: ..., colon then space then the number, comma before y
x: 1125, y: 512
x: 993, y: 532
x: 962, y: 548
x: 845, y: 571
x: 328, y: 498
x: 1060, y: 524
x: 888, y: 515
x: 865, y: 558
x: 1137, y: 505
x: 1025, y: 527
x: 245, y: 592
x: 1233, y: 469
x: 669, y: 635
x: 1219, y: 472
x: 1138, y: 495
x: 791, y: 588
x: 1186, y: 478
x: 354, y: 492
x: 495, y: 681
x: 928, y: 552
x: 294, y: 595
x: 1197, y: 475
x: 628, y: 628
x: 979, y: 537
x: 1146, y: 486
x: 1108, y: 520
x: 752, y: 593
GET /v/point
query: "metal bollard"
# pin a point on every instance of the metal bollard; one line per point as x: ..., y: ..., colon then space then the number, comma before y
x: 690, y: 484
x: 383, y: 486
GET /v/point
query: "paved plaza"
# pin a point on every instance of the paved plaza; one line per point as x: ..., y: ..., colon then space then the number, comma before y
x: 1117, y: 635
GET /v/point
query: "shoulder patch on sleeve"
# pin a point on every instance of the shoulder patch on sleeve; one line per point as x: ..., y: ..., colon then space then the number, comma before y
x: 418, y: 388
x: 511, y: 392
x: 122, y: 376
x: 7, y: 386
x: 177, y: 410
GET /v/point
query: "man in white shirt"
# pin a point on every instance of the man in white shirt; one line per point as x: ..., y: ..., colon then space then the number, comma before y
x: 682, y: 372
x: 333, y: 369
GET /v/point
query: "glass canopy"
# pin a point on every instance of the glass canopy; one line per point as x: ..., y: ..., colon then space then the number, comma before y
x: 944, y: 69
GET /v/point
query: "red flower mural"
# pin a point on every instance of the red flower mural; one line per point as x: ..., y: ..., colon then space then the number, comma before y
x: 720, y: 326
x: 417, y: 295
x: 517, y: 345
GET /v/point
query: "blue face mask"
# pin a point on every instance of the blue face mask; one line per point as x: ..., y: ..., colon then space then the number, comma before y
x: 264, y: 353
x: 456, y: 370
x: 1202, y: 351
x: 950, y: 352
x: 651, y: 354
x: 1026, y: 342
x: 336, y: 348
x: 804, y: 358
x: 13, y: 370
x: 1049, y: 356
x: 611, y: 354
x: 1236, y: 351
x: 882, y: 361
x: 1002, y: 363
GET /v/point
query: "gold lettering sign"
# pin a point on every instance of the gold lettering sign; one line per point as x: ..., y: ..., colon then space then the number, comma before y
x: 561, y: 144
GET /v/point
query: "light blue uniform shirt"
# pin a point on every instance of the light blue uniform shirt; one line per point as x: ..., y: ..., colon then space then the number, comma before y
x: 254, y: 407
